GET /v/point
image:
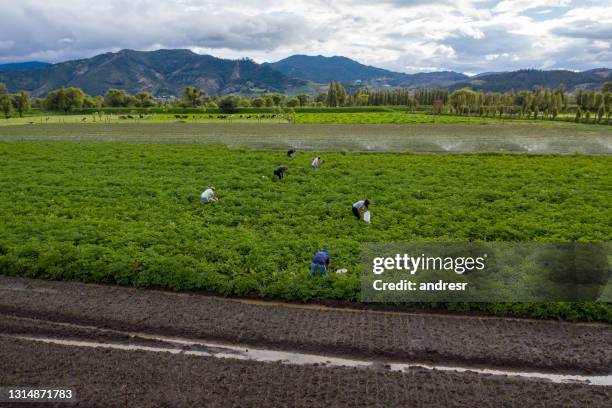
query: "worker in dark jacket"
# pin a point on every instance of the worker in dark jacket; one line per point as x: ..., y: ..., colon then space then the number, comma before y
x: 280, y: 171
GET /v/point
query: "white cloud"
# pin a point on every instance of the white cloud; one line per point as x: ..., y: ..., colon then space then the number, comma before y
x: 404, y: 35
x: 518, y: 6
x: 6, y: 44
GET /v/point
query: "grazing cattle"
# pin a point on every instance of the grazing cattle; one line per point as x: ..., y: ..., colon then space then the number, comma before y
x: 210, y: 116
x: 177, y: 116
x: 130, y: 117
x: 84, y: 120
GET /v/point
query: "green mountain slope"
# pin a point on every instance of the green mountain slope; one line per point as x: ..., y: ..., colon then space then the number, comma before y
x: 528, y: 78
x: 162, y: 72
x: 167, y: 72
x: 325, y: 69
x: 23, y: 65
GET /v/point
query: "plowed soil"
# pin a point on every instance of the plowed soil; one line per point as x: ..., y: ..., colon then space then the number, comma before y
x: 116, y: 378
x: 447, y: 339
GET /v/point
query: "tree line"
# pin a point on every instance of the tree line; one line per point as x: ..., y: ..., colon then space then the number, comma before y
x: 597, y: 103
x: 337, y: 96
x: 19, y: 102
x: 73, y: 99
x: 538, y: 103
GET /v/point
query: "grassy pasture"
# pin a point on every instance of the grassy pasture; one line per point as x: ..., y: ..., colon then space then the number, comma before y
x: 156, y: 118
x: 302, y: 116
x: 130, y: 214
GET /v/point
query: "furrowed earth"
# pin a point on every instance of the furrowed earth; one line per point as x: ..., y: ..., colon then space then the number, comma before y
x: 117, y: 367
x: 116, y: 378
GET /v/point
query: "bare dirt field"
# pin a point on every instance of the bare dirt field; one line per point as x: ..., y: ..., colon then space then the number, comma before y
x: 517, y: 343
x: 500, y: 342
x: 115, y: 344
x: 118, y: 378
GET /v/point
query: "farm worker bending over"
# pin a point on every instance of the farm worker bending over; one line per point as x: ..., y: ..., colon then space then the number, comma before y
x: 209, y: 195
x: 316, y: 163
x: 360, y: 207
x: 320, y: 263
x: 280, y: 171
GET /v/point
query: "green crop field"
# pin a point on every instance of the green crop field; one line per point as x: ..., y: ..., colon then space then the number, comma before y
x: 389, y: 117
x: 404, y: 117
x: 130, y: 214
x: 525, y: 137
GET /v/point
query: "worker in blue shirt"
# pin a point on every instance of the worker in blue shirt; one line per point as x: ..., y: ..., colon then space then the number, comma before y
x: 360, y: 207
x: 320, y: 263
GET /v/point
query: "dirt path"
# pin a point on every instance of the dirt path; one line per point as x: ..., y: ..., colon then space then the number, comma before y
x: 492, y: 342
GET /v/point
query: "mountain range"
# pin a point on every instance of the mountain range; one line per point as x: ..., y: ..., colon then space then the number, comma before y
x: 528, y: 78
x: 166, y: 72
x: 161, y: 72
x: 23, y: 65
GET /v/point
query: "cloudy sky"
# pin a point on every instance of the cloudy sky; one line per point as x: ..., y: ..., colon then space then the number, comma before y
x: 403, y: 35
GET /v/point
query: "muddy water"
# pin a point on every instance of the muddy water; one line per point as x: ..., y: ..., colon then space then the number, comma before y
x: 177, y: 345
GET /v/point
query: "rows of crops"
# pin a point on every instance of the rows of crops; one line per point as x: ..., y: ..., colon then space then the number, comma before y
x: 130, y: 214
x: 388, y: 117
x: 417, y: 138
